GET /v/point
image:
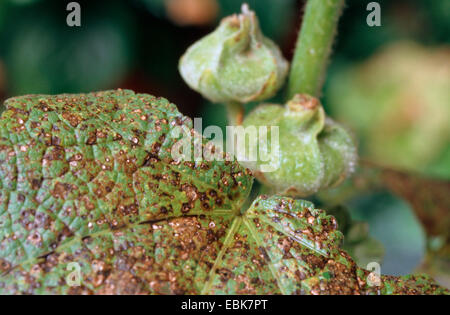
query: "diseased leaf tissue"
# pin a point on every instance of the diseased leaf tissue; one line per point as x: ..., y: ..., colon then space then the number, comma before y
x: 89, y: 179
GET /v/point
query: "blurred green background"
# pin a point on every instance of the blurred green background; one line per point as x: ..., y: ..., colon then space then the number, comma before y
x: 390, y: 85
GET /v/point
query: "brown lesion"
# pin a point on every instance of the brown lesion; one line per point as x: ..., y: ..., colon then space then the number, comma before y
x: 61, y: 190
x: 4, y: 265
x: 302, y: 102
x: 72, y: 118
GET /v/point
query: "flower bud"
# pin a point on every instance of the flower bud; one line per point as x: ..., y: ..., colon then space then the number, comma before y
x: 314, y: 151
x: 235, y: 63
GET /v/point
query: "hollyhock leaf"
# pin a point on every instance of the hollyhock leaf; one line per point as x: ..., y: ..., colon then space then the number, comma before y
x: 92, y: 203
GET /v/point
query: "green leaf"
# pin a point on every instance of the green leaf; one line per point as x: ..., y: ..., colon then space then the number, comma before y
x: 78, y: 171
x: 88, y: 189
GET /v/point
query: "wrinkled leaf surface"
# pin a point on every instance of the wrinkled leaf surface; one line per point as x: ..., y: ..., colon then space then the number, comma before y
x: 92, y: 202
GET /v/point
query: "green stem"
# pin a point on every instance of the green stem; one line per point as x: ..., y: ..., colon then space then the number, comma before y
x: 313, y: 46
x: 235, y: 112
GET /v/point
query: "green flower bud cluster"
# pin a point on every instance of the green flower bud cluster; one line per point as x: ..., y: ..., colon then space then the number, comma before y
x: 314, y: 152
x: 235, y: 63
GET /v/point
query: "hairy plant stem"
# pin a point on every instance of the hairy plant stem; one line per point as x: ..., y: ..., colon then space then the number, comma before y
x: 313, y: 46
x: 235, y: 112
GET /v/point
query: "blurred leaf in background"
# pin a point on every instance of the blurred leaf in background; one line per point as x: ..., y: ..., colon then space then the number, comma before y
x: 422, y: 21
x: 398, y: 103
x: 44, y: 55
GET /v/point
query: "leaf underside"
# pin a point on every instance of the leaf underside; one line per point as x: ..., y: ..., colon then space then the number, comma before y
x: 89, y: 179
